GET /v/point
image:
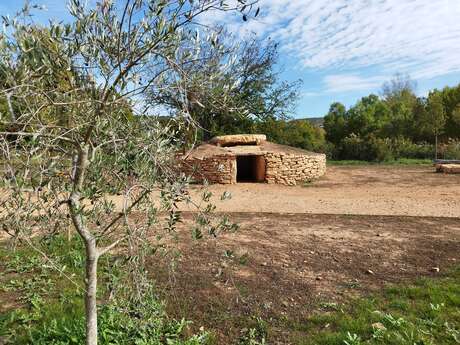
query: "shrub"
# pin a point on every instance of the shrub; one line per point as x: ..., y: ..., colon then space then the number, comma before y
x: 370, y: 148
x: 404, y: 148
x: 450, y: 150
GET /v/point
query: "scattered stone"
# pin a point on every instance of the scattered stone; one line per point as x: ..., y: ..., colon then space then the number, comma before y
x: 370, y: 272
x: 379, y: 325
x: 435, y: 269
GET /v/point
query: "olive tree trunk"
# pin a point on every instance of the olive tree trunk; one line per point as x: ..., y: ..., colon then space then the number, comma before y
x: 92, y: 253
x: 90, y: 294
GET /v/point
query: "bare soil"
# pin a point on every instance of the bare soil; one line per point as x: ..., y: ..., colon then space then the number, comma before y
x: 352, y: 232
x: 348, y: 234
x: 281, y: 266
x: 364, y: 190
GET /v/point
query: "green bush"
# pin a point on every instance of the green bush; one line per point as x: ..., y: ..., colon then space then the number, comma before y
x: 450, y: 150
x: 380, y: 150
x: 370, y: 148
x: 404, y: 148
x: 374, y: 149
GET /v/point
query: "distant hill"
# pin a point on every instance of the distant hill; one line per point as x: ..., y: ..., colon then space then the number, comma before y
x: 315, y: 121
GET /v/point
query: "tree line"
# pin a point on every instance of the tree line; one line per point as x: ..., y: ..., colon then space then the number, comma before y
x: 396, y: 124
x: 250, y: 97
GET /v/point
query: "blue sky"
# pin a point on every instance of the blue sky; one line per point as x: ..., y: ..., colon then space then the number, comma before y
x: 345, y: 49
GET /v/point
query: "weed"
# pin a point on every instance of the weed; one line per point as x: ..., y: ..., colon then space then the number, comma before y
x: 255, y: 335
x: 425, y: 312
x: 243, y: 259
x: 352, y: 339
x: 330, y: 306
x: 352, y: 284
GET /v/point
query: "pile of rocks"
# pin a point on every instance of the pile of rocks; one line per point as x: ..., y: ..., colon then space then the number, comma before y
x: 448, y: 168
x: 290, y: 169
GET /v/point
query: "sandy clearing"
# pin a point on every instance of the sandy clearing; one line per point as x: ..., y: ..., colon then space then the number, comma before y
x: 361, y: 190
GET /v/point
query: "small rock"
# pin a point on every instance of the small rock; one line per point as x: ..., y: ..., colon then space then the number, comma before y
x: 370, y: 272
x: 435, y: 269
x: 379, y: 325
x: 319, y: 278
x: 264, y: 264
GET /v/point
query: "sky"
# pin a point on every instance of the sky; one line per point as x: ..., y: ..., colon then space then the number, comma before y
x: 344, y: 49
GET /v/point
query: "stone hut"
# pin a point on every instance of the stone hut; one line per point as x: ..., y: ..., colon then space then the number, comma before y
x: 230, y: 159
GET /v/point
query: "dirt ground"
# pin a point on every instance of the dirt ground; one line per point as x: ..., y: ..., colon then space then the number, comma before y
x: 281, y: 266
x: 371, y: 190
x: 350, y: 233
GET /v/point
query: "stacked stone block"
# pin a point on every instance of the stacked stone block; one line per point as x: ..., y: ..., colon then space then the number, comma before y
x: 215, y: 169
x: 289, y: 169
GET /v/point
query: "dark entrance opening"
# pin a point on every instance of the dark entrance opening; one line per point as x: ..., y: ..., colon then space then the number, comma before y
x: 250, y: 168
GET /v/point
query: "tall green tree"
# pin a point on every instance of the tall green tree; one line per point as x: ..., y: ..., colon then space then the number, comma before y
x: 335, y: 123
x: 248, y: 88
x: 435, y: 117
x: 368, y: 116
x: 451, y: 102
x: 399, y: 96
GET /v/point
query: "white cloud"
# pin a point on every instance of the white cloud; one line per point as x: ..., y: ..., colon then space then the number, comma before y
x: 417, y: 37
x: 337, y: 83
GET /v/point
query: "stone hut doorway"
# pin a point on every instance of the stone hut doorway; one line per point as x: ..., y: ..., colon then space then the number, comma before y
x: 250, y: 168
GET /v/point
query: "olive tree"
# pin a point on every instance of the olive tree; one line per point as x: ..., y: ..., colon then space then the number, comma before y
x: 81, y: 148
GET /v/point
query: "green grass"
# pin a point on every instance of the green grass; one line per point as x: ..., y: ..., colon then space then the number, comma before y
x: 48, y: 308
x: 423, y: 313
x: 402, y: 161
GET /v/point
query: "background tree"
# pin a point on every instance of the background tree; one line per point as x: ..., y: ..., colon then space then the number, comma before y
x: 296, y: 132
x: 436, y: 117
x: 335, y: 123
x: 399, y: 96
x: 74, y: 146
x: 396, y: 125
x: 248, y: 89
x: 451, y: 101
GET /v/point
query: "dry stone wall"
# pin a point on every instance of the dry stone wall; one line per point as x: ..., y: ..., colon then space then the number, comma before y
x: 290, y: 169
x: 280, y: 168
x: 215, y: 169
